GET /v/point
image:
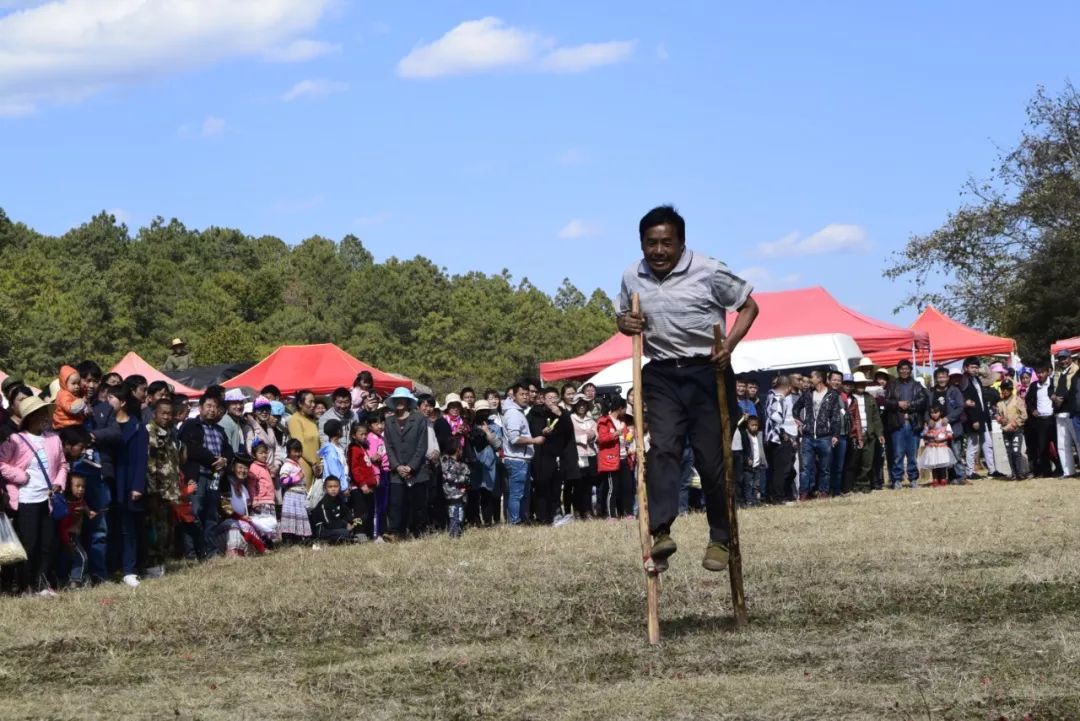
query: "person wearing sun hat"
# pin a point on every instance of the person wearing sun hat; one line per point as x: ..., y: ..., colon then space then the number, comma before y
x: 868, y: 433
x: 33, y: 465
x: 406, y: 437
x: 179, y: 358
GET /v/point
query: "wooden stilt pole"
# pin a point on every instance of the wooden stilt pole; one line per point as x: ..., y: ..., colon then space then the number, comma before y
x: 652, y: 578
x: 738, y: 599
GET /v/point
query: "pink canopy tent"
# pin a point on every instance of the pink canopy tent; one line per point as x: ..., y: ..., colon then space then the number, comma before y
x: 806, y: 311
x: 133, y: 365
x: 1069, y: 344
x: 950, y: 340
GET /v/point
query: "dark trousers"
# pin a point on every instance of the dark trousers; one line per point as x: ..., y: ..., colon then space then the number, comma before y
x: 682, y: 402
x: 205, y: 505
x: 618, y: 490
x: 1043, y: 433
x: 37, y: 533
x: 753, y: 485
x: 862, y: 464
x: 1012, y: 452
x: 547, y: 483
x: 815, y: 463
x: 332, y: 535
x: 363, y: 508
x: 408, y: 512
x: 781, y: 457
x: 133, y: 532
x: 159, y: 530
x: 836, y: 466
x: 95, y: 531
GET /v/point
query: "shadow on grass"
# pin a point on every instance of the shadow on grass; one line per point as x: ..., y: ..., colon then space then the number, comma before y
x: 696, y: 624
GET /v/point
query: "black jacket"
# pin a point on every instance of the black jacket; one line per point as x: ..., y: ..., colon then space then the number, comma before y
x: 199, y: 458
x: 980, y: 413
x: 951, y: 403
x: 1065, y: 388
x: 331, y: 514
x: 894, y: 416
x: 107, y: 435
x: 560, y: 449
x: 827, y: 423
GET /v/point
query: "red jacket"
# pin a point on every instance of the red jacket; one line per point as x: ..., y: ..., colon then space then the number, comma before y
x: 607, y: 445
x: 361, y: 472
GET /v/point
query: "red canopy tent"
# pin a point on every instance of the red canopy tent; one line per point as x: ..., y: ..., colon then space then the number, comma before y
x: 133, y: 365
x: 1069, y: 344
x: 950, y: 340
x: 321, y: 368
x: 806, y: 311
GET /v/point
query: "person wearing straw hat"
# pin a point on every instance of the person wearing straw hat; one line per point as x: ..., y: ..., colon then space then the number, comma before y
x: 33, y: 465
x: 179, y: 358
x: 867, y: 430
x: 406, y: 437
x: 683, y: 296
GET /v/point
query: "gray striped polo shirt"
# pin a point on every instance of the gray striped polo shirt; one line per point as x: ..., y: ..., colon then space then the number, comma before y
x: 681, y: 309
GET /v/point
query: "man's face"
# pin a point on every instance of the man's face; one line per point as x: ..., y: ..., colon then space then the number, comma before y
x: 342, y: 405
x: 90, y: 387
x: 163, y: 416
x: 941, y: 379
x: 740, y: 389
x: 904, y: 372
x: 568, y: 394
x: 662, y: 248
x: 551, y: 400
x: 210, y: 411
x: 534, y: 393
x: 235, y: 408
x: 972, y: 370
x: 1042, y: 375
x: 835, y: 381
x: 468, y: 398
x: 426, y: 408
x: 523, y: 396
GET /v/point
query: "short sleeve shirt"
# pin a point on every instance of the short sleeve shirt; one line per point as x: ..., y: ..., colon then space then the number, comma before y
x: 681, y: 309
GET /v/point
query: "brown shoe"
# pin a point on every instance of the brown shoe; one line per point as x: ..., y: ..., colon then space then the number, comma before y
x: 663, y: 545
x: 716, y: 557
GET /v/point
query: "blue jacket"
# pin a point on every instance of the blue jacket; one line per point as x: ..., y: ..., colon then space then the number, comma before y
x: 107, y: 437
x: 131, y: 462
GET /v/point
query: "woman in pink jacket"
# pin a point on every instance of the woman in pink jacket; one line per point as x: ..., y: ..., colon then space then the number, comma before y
x: 33, y: 465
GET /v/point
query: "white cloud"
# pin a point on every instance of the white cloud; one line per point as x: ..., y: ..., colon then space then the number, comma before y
x: 586, y: 57
x: 213, y: 126
x: 300, y: 50
x: 765, y: 279
x: 489, y: 44
x: 66, y: 50
x: 313, y: 89
x: 833, y: 238
x: 578, y: 228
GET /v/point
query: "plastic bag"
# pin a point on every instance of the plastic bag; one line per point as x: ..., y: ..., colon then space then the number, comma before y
x: 11, y: 550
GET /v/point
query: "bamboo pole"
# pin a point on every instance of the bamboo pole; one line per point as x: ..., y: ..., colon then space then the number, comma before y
x: 652, y: 580
x: 738, y: 598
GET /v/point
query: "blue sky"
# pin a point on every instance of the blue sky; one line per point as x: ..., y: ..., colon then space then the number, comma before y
x: 803, y: 144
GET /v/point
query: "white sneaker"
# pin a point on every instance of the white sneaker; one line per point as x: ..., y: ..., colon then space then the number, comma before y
x: 131, y: 580
x: 155, y: 572
x: 562, y: 521
x: 47, y: 593
x: 379, y: 539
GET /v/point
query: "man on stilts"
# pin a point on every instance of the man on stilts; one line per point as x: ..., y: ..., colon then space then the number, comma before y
x: 683, y: 295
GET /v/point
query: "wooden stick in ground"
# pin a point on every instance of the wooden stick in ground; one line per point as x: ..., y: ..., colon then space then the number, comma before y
x: 738, y: 599
x: 652, y: 580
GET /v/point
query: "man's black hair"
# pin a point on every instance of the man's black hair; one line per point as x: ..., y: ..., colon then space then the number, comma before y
x: 157, y: 387
x: 832, y: 373
x: 550, y: 389
x: 426, y: 398
x: 215, y: 391
x: 166, y: 402
x: 89, y: 369
x: 519, y: 386
x: 1006, y: 385
x: 208, y: 396
x: 971, y: 361
x: 663, y: 215
x: 562, y: 391
x: 272, y: 390
x: 941, y: 369
x: 134, y: 381
x: 73, y: 435
x: 341, y: 392
x: 902, y: 363
x: 467, y: 389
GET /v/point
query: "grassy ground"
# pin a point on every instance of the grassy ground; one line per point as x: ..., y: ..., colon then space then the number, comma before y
x: 957, y: 603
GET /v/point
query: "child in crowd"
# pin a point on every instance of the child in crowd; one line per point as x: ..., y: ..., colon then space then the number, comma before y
x: 364, y: 478
x: 334, y: 462
x: 72, y: 556
x: 261, y: 489
x: 1012, y: 411
x: 455, y: 483
x: 331, y: 518
x: 585, y: 440
x: 294, y: 512
x: 381, y: 460
x: 937, y: 455
x: 362, y: 388
x: 755, y: 468
x: 71, y: 408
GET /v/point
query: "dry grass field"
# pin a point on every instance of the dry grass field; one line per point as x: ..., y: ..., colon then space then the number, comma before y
x: 957, y: 603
